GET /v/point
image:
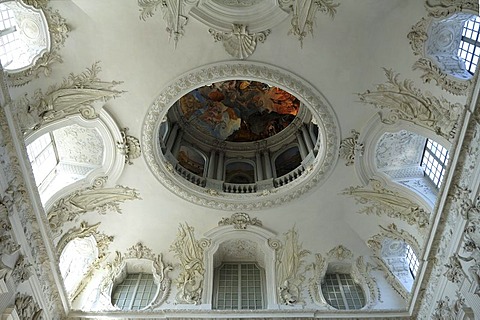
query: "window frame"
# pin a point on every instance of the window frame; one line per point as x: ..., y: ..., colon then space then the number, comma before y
x: 412, y: 260
x: 48, y: 177
x: 342, y: 290
x: 437, y: 164
x: 470, y: 42
x: 216, y: 282
x: 152, y: 294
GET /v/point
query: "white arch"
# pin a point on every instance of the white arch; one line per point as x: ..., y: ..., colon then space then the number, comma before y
x: 254, y: 234
x: 113, y: 161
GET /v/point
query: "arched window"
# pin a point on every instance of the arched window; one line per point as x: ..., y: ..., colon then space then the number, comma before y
x: 434, y: 161
x: 135, y: 292
x: 239, y: 286
x: 192, y: 160
x: 342, y: 292
x: 61, y: 157
x: 288, y: 161
x: 75, y: 260
x: 469, y: 49
x: 23, y: 35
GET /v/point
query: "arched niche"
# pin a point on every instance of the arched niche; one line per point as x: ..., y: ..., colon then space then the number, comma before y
x: 112, y: 163
x: 251, y: 242
x: 192, y: 159
x: 366, y: 164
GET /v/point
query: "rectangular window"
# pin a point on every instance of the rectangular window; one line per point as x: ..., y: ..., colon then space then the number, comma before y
x: 434, y: 161
x: 412, y: 261
x: 239, y: 286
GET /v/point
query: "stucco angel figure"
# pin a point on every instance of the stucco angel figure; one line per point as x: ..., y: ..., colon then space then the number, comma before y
x: 473, y: 270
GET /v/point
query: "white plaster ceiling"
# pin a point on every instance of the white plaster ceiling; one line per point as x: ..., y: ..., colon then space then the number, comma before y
x: 345, y: 56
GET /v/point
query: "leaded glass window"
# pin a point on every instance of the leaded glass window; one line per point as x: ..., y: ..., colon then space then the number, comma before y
x: 239, y: 286
x: 412, y: 261
x: 434, y: 161
x: 469, y: 49
x: 136, y: 292
x: 43, y: 157
x: 342, y: 292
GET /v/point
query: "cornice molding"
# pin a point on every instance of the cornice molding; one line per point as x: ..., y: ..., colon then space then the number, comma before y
x: 312, y: 99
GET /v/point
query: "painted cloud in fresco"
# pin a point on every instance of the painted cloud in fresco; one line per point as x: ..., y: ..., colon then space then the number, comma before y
x: 239, y: 111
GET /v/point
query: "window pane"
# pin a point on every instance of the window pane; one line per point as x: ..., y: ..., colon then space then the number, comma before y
x: 342, y: 292
x: 135, y: 292
x: 434, y: 161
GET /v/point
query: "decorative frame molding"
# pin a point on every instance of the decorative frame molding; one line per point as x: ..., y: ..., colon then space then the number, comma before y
x: 265, y: 242
x: 102, y: 240
x: 350, y: 148
x: 318, y: 105
x: 419, y: 39
x: 376, y: 244
x: 58, y: 33
x: 341, y: 259
x: 138, y: 258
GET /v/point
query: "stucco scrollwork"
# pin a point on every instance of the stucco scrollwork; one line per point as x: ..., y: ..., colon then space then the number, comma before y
x: 405, y: 102
x: 8, y: 243
x: 454, y: 271
x: 75, y: 95
x: 129, y: 146
x: 95, y: 198
x: 444, y: 8
x: 118, y: 267
x: 28, y: 308
x: 321, y: 111
x: 349, y: 148
x: 22, y: 270
x: 190, y: 252
x: 340, y: 253
x: 290, y: 269
x: 452, y: 310
x: 381, y: 201
x: 240, y: 221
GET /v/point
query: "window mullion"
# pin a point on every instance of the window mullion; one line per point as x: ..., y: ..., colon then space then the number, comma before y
x: 239, y: 287
x: 340, y: 286
x: 135, y: 290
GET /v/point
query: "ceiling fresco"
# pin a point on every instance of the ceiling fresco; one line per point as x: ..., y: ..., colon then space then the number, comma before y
x: 238, y: 110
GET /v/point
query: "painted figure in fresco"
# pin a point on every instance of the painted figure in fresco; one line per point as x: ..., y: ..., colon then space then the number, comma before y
x: 239, y: 110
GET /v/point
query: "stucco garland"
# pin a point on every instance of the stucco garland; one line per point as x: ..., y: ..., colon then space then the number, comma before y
x: 317, y: 104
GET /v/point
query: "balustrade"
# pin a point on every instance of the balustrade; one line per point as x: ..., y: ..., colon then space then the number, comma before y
x: 190, y: 176
x: 289, y: 177
x: 239, y: 188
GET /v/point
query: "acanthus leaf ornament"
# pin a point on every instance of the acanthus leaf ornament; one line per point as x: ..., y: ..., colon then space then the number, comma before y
x: 190, y: 252
x: 290, y: 269
x: 95, y: 198
x: 381, y: 201
x: 75, y: 95
x: 303, y: 15
x: 239, y: 43
x: 408, y: 103
x: 28, y: 308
